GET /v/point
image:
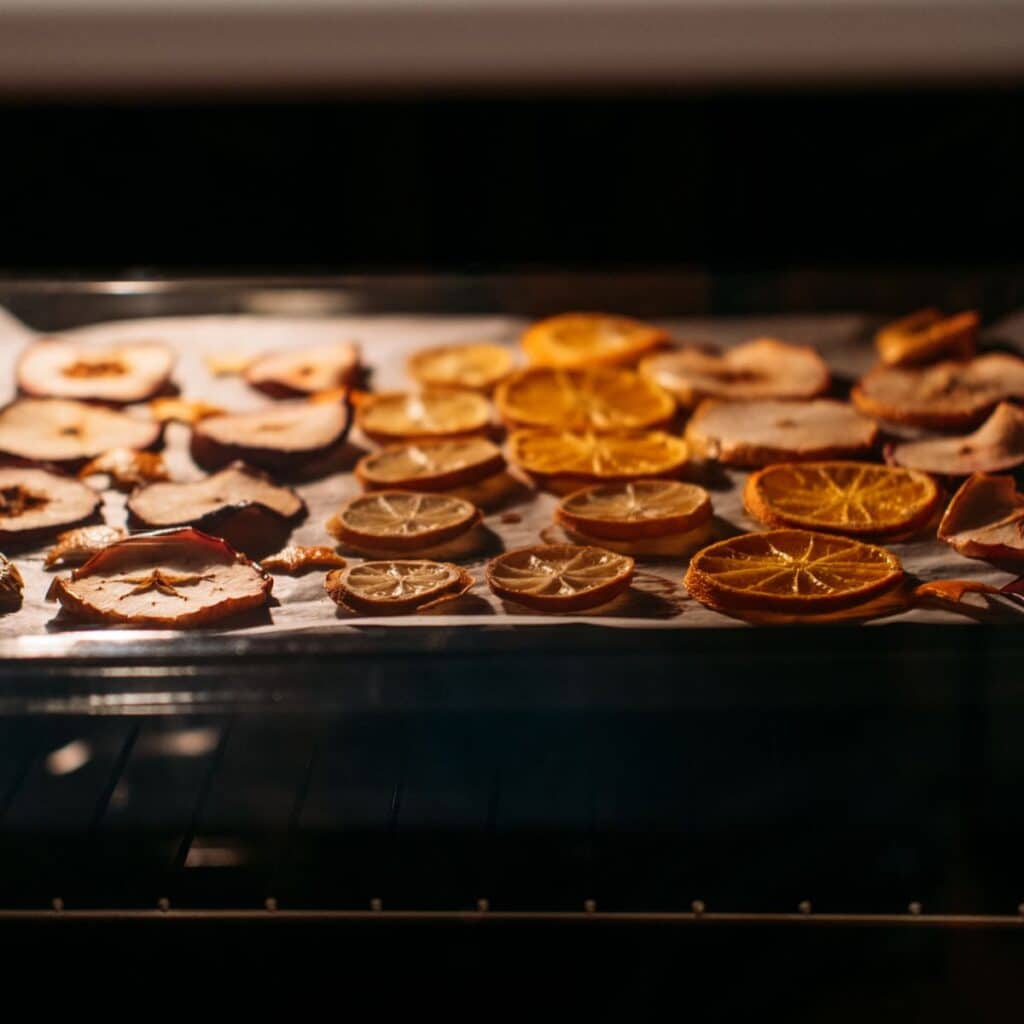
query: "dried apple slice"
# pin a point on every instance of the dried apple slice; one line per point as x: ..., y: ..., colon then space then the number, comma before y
x: 998, y: 444
x: 62, y: 431
x: 285, y: 436
x: 296, y: 559
x: 296, y: 372
x: 12, y: 586
x: 73, y: 547
x: 177, y: 579
x: 759, y: 433
x: 926, y: 336
x: 126, y: 468
x: 396, y: 587
x: 241, y: 505
x: 35, y: 504
x: 985, y: 519
x: 119, y: 374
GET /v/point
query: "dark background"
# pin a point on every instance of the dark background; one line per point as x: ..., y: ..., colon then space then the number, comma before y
x: 726, y: 182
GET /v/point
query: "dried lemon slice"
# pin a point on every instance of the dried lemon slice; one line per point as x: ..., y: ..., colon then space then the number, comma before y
x: 430, y: 465
x: 402, y: 520
x: 401, y: 416
x: 790, y: 571
x: 645, y: 517
x: 842, y: 497
x: 396, y: 588
x: 477, y: 366
x: 590, y: 339
x: 601, y: 399
x: 564, y: 461
x: 560, y: 577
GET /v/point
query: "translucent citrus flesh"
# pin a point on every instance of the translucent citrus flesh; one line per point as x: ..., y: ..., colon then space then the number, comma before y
x: 437, y: 413
x: 794, y: 567
x: 599, y: 399
x: 476, y: 366
x: 579, y: 339
x: 427, y: 460
x: 396, y: 581
x: 395, y: 514
x: 559, y: 571
x: 837, y: 495
x: 634, y: 454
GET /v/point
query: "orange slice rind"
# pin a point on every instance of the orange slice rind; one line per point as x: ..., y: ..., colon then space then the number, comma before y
x: 602, y: 399
x: 396, y: 587
x: 573, y: 340
x: 796, y: 571
x: 477, y: 366
x: 852, y: 498
x: 560, y: 577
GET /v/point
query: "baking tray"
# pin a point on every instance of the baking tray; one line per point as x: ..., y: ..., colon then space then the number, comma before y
x: 359, y: 662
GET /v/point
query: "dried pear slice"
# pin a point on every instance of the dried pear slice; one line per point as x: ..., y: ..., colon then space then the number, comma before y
x: 36, y: 504
x: 296, y: 372
x: 177, y: 579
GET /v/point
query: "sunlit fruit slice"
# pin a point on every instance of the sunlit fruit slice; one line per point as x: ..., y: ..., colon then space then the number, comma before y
x: 560, y: 577
x: 36, y: 504
x: 430, y: 465
x: 758, y: 433
x: 74, y: 547
x: 402, y: 521
x: 297, y: 558
x: 176, y: 579
x: 642, y: 517
x: 284, y: 437
x: 574, y: 340
x: 478, y: 366
x: 763, y: 368
x: 998, y: 444
x: 396, y: 587
x: 854, y: 498
x: 118, y: 374
x: 797, y: 571
x: 564, y: 461
x: 601, y: 400
x: 294, y: 372
x: 12, y: 586
x: 985, y: 519
x: 945, y: 396
x: 126, y: 468
x: 927, y: 336
x: 405, y: 416
x: 239, y: 504
x: 62, y: 431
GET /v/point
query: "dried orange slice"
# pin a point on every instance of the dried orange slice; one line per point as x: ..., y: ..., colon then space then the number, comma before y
x: 476, y: 367
x: 297, y: 558
x: 926, y: 336
x: 430, y: 465
x: 402, y: 521
x: 560, y: 577
x: 396, y: 588
x: 590, y: 339
x: 855, y: 498
x: 790, y: 571
x: 643, y: 517
x: 402, y: 416
x: 602, y: 399
x: 564, y: 461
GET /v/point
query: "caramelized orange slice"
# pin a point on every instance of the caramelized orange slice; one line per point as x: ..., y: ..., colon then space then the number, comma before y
x: 641, y: 508
x: 601, y: 400
x: 402, y: 520
x: 404, y: 416
x: 477, y: 366
x: 590, y: 339
x: 396, y: 587
x: 794, y: 571
x: 856, y: 498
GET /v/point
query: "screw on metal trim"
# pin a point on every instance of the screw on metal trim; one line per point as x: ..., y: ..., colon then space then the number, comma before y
x: 270, y: 903
x: 163, y: 904
x: 914, y: 908
x: 376, y: 905
x: 697, y: 906
x: 804, y: 906
x: 589, y: 906
x: 57, y: 903
x: 483, y: 906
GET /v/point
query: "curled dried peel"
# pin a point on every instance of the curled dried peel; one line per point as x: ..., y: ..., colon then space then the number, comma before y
x: 560, y: 577
x: 854, y: 498
x: 599, y: 400
x: 790, y: 570
x: 77, y: 546
x: 590, y: 339
x: 298, y: 559
x: 127, y: 468
x: 985, y: 519
x: 12, y: 586
x: 397, y: 587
